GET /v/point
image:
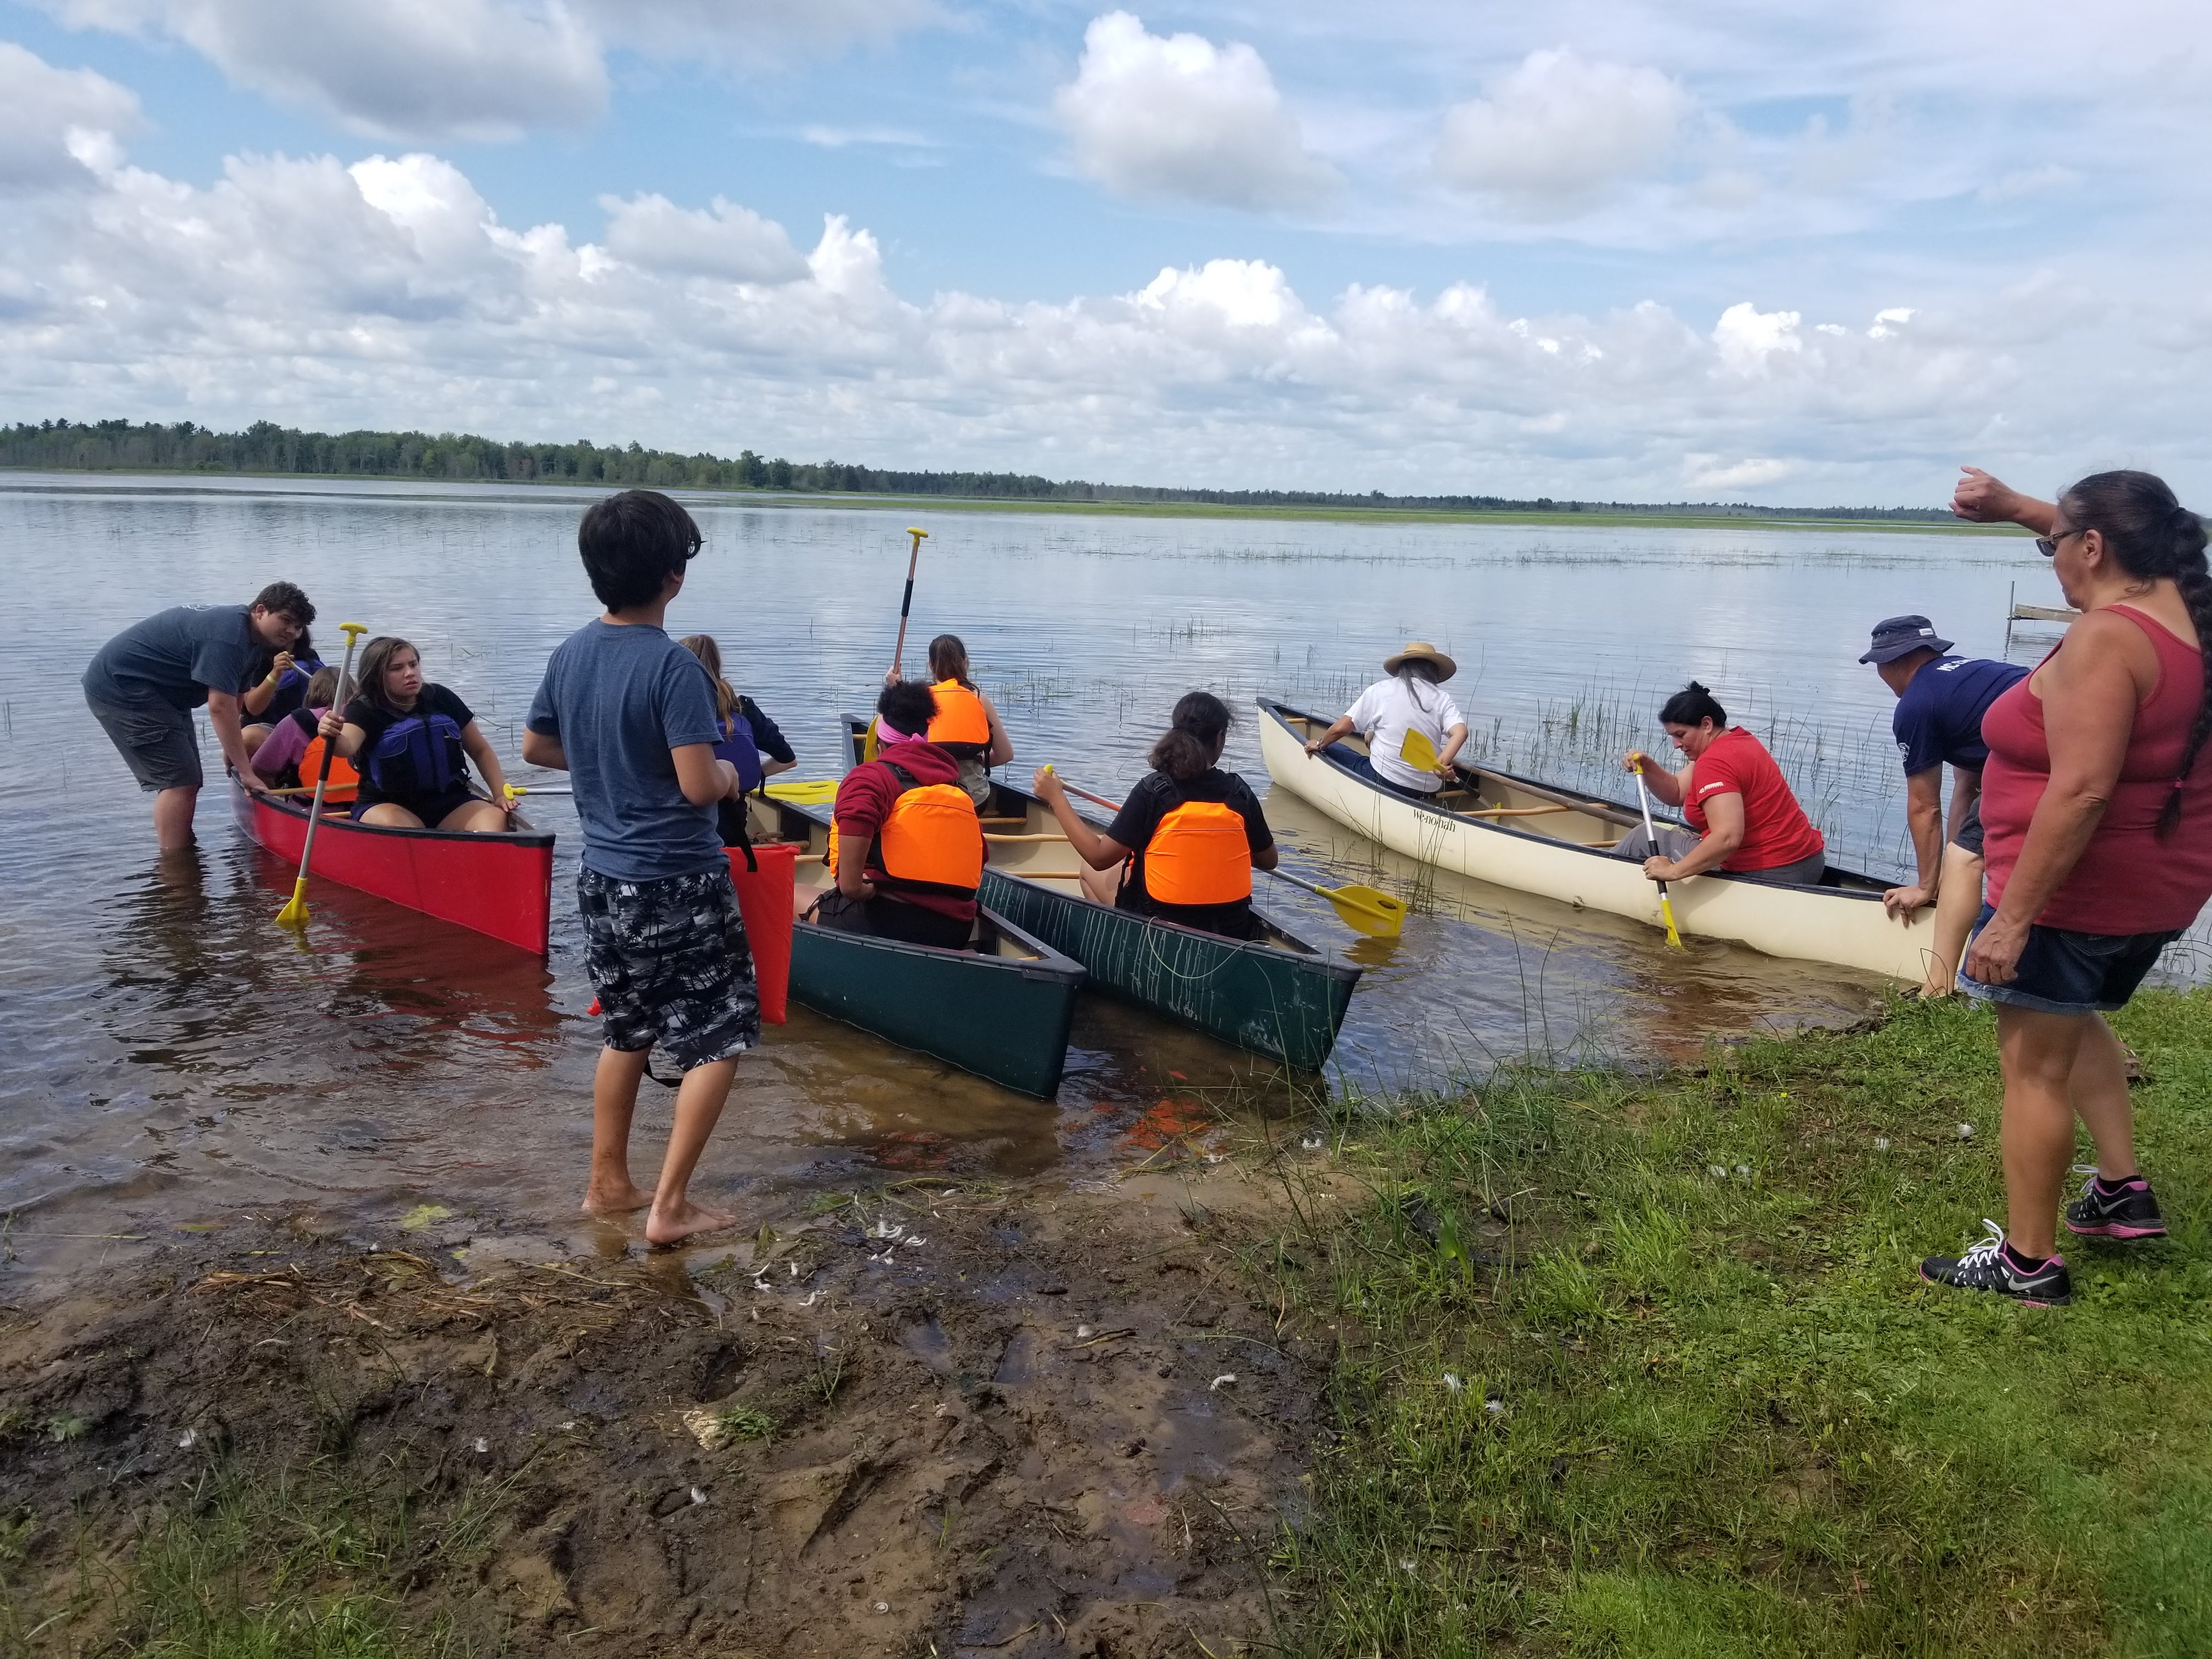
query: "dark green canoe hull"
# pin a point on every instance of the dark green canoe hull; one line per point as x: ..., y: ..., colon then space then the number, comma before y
x: 1263, y: 999
x: 1003, y: 1018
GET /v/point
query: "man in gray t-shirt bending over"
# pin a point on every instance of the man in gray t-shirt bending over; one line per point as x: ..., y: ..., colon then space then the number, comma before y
x: 144, y: 684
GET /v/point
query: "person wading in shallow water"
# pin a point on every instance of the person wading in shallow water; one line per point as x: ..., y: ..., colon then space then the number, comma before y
x: 629, y: 714
x: 2097, y: 822
x: 144, y: 684
x: 1941, y: 700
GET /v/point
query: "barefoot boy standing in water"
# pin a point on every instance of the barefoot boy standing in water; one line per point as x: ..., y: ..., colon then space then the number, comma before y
x: 630, y: 715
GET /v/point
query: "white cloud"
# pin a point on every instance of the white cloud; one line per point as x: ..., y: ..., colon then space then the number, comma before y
x: 1710, y: 472
x: 1180, y: 118
x: 59, y: 126
x: 1748, y: 339
x: 478, y: 68
x: 726, y: 240
x: 1553, y: 136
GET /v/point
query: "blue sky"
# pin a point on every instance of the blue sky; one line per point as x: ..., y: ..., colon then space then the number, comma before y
x: 1700, y: 250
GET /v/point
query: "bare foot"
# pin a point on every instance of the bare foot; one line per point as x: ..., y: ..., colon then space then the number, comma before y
x: 613, y: 1199
x: 674, y: 1227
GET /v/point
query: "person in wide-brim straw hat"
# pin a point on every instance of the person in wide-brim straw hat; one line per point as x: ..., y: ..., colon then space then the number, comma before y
x: 1411, y: 728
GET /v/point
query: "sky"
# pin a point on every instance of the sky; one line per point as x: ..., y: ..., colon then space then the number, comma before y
x: 1702, y: 250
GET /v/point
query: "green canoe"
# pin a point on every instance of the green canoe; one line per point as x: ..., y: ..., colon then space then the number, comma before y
x: 1000, y: 1009
x: 1276, y: 994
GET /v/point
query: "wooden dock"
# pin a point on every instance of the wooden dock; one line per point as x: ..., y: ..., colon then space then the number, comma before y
x: 2017, y: 613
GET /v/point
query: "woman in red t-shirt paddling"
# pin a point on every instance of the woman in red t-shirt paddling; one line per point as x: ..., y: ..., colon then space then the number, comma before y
x: 2098, y: 837
x: 1732, y: 794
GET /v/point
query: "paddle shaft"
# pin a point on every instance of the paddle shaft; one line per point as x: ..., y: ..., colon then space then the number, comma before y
x: 353, y: 631
x: 1651, y: 835
x: 906, y: 603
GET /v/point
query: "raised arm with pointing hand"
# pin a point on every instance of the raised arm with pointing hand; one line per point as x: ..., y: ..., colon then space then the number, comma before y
x: 1986, y: 499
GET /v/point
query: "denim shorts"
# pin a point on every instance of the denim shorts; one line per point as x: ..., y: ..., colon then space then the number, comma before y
x: 671, y: 964
x: 2064, y: 972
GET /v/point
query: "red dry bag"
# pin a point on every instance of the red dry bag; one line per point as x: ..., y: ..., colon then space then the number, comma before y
x: 764, y: 898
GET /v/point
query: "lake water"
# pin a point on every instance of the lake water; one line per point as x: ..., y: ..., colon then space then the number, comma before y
x: 171, y: 1056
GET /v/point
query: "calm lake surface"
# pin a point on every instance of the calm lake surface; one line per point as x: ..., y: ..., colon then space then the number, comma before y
x: 173, y: 1057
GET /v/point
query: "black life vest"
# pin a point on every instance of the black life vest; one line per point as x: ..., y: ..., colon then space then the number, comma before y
x: 419, y: 755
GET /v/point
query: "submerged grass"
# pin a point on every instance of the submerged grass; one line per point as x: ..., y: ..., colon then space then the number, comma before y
x: 1642, y: 1366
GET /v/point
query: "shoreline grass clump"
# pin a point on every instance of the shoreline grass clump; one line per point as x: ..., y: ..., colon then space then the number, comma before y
x: 1643, y: 1366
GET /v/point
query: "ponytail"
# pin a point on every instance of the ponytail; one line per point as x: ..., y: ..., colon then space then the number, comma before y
x: 2152, y: 535
x: 703, y: 647
x: 1192, y: 741
x: 1412, y: 674
x: 1691, y: 705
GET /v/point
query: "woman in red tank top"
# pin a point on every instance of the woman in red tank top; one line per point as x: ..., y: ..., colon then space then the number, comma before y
x: 2098, y: 826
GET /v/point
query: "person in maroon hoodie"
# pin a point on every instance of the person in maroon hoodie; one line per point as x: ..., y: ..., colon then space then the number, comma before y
x: 920, y: 844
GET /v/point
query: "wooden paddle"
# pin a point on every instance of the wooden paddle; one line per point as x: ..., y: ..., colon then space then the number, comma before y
x: 295, y: 913
x: 1666, y: 904
x: 906, y: 604
x: 1363, y: 909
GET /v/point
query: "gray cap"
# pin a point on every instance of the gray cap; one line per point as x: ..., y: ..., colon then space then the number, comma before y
x: 1900, y: 636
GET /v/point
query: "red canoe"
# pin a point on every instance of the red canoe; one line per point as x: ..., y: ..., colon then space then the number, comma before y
x: 497, y: 884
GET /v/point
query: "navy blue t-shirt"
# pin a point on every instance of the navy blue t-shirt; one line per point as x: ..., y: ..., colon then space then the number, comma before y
x: 178, y: 655
x: 617, y: 699
x: 1939, y: 718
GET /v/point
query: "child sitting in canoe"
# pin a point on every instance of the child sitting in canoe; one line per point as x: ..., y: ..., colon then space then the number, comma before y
x: 1188, y: 836
x: 282, y: 690
x: 965, y: 726
x: 750, y: 739
x: 290, y: 755
x: 908, y: 848
x: 407, y: 739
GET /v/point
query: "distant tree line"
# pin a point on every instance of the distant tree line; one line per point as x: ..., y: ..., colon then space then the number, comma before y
x: 266, y: 447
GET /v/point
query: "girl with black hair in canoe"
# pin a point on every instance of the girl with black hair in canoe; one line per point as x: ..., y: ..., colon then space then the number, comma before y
x: 966, y: 726
x: 1742, y: 817
x: 750, y: 741
x: 1190, y: 834
x: 408, y: 738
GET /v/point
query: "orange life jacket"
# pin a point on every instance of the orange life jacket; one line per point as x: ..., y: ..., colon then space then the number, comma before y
x: 344, y: 780
x: 960, y: 726
x: 930, y: 843
x: 1198, y: 855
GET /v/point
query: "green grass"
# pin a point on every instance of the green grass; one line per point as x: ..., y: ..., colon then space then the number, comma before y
x: 1705, y: 1415
x: 306, y: 1563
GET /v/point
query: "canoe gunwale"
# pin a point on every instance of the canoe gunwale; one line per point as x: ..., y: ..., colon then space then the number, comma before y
x: 295, y: 809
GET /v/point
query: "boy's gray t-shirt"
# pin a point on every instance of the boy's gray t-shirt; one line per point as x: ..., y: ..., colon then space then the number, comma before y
x: 617, y: 698
x: 178, y: 655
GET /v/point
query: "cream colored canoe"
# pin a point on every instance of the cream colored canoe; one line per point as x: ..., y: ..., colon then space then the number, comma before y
x: 1520, y: 834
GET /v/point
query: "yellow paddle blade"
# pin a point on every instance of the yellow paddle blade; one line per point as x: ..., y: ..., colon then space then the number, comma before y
x: 868, y: 742
x: 295, y: 913
x: 1418, y: 752
x: 1367, y: 910
x: 1666, y: 910
x: 808, y: 792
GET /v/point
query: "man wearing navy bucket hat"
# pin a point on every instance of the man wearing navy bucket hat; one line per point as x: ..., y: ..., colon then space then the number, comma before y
x: 1941, y: 700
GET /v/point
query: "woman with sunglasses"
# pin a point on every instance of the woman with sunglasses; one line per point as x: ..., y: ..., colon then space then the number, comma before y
x: 2097, y: 822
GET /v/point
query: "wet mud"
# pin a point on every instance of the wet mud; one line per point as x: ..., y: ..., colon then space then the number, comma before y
x: 937, y: 1418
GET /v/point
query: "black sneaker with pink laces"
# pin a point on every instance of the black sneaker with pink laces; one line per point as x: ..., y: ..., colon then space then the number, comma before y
x: 1991, y: 1265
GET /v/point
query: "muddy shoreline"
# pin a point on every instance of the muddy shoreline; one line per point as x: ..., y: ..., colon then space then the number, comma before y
x: 939, y: 1417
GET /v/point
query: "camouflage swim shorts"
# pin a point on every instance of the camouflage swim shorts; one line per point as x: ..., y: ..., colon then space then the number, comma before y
x: 671, y: 964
